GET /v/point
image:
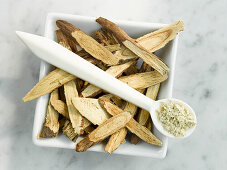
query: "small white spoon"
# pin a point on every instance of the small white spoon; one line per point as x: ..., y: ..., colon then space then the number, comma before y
x: 60, y: 57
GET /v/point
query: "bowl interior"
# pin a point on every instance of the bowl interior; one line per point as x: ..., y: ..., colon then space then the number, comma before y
x: 135, y: 30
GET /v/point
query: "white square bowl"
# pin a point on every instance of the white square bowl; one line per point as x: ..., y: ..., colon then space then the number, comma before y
x: 134, y: 29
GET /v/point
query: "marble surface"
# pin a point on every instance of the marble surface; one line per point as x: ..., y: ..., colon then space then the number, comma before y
x: 200, y: 80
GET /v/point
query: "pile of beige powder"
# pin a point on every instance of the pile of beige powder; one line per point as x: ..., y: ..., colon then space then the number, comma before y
x: 175, y: 118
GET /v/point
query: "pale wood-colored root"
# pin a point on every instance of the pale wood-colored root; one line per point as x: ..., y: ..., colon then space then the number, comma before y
x: 158, y: 39
x: 143, y: 80
x: 91, y: 109
x: 77, y: 120
x: 51, y: 81
x: 51, y: 125
x: 69, y: 131
x: 110, y: 126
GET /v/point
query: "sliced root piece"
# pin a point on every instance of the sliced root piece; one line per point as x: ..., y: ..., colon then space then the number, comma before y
x: 143, y: 133
x: 54, y: 95
x: 77, y: 120
x: 61, y: 107
x: 58, y: 105
x: 143, y: 80
x: 110, y: 126
x: 69, y: 131
x: 116, y: 71
x: 89, y: 44
x: 50, y: 82
x: 51, y: 124
x: 158, y: 39
x: 91, y: 91
x: 116, y: 140
x: 150, y: 58
x: 91, y: 110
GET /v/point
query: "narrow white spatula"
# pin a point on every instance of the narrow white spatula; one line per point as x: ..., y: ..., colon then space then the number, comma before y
x: 60, y: 57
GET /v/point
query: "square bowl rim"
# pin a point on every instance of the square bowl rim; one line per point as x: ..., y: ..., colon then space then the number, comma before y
x: 52, y: 15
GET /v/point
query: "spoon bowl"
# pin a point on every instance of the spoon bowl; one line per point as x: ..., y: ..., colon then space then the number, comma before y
x: 153, y: 112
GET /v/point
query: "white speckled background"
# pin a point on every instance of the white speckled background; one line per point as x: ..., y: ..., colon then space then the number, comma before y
x: 201, y: 80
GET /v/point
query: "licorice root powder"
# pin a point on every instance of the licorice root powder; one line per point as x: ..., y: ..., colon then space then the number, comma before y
x: 175, y: 118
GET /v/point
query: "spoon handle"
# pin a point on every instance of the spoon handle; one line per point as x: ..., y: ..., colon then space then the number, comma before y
x: 60, y: 57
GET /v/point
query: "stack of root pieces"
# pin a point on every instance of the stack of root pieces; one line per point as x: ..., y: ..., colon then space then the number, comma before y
x: 78, y: 108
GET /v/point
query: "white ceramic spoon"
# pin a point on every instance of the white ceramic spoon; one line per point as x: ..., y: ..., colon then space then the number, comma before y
x: 60, y: 57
